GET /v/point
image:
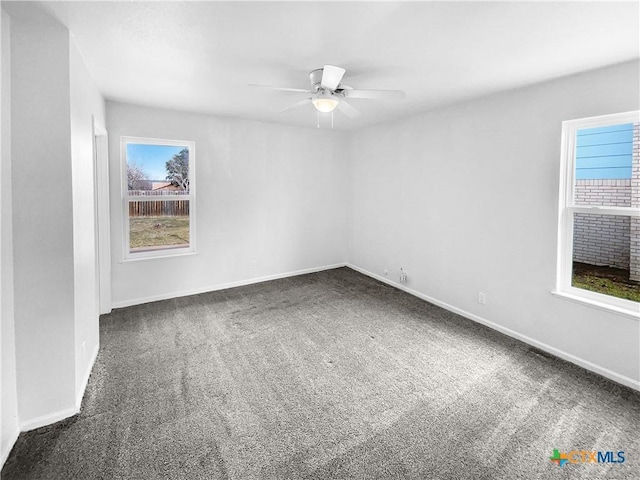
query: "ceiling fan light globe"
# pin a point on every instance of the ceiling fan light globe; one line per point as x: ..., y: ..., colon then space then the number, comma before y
x: 325, y: 105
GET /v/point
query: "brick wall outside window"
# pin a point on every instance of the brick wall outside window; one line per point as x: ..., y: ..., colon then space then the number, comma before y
x: 610, y: 240
x: 635, y: 202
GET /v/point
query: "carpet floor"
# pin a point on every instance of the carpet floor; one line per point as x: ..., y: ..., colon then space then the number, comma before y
x: 326, y: 376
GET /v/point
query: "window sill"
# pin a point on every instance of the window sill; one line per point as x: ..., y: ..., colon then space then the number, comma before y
x: 158, y: 256
x: 626, y: 312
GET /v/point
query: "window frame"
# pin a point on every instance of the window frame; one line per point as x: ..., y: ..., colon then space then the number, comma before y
x: 127, y: 255
x: 567, y: 208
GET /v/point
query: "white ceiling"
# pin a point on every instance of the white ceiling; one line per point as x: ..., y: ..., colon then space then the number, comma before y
x: 201, y: 56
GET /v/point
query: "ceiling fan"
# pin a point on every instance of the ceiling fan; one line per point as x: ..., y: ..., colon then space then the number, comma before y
x: 328, y: 93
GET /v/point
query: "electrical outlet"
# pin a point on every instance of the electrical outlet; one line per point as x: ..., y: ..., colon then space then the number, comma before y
x: 403, y: 276
x: 253, y: 264
x: 482, y: 298
x: 386, y: 272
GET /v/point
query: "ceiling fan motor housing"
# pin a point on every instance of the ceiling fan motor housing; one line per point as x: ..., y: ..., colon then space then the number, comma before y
x: 316, y: 78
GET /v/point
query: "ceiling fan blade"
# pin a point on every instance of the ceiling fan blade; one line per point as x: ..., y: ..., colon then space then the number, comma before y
x: 347, y: 109
x: 373, y: 93
x: 297, y: 104
x: 283, y: 89
x: 331, y: 77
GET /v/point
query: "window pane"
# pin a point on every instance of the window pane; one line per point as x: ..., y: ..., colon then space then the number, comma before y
x: 157, y: 169
x: 606, y: 255
x: 603, y: 165
x: 157, y: 225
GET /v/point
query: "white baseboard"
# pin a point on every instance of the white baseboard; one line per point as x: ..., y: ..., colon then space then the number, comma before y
x: 48, y: 419
x: 6, y: 449
x: 54, y: 417
x: 85, y: 380
x: 605, y: 372
x: 223, y: 286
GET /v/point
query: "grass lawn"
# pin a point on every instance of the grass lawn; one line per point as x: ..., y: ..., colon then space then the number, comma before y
x: 145, y: 232
x: 607, y: 280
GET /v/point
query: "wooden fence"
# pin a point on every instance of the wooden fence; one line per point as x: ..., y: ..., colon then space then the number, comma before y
x: 158, y: 208
x: 153, y: 193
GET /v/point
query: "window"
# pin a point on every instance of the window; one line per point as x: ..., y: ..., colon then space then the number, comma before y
x: 599, y: 218
x: 158, y: 197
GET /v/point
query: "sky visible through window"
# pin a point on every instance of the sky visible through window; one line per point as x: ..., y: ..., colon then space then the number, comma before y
x: 152, y: 158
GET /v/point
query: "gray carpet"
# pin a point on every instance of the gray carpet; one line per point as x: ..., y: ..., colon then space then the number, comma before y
x: 328, y: 375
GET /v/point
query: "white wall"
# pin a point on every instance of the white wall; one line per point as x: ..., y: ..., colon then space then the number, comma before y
x: 265, y: 192
x: 86, y: 102
x: 42, y: 216
x: 49, y: 283
x: 465, y: 199
x: 9, y: 424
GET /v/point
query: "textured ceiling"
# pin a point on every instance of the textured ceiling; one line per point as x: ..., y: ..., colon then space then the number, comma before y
x: 201, y: 56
